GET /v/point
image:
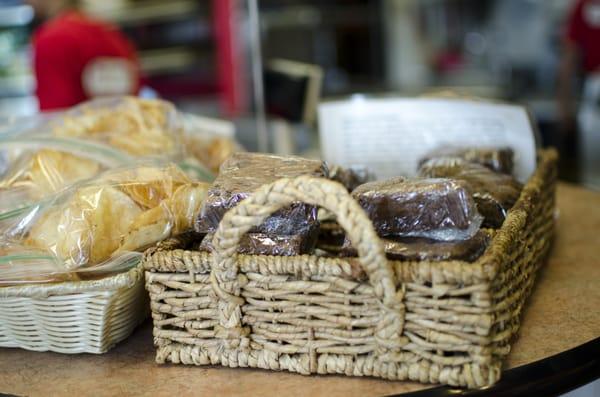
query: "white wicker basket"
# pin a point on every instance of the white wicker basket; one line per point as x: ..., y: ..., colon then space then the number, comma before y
x: 73, y: 317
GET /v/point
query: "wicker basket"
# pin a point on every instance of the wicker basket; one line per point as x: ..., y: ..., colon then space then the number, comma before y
x: 73, y: 317
x: 432, y: 322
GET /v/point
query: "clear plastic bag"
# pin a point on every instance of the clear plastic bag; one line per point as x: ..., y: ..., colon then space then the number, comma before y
x: 21, y: 265
x: 25, y: 265
x: 243, y: 173
x: 494, y: 193
x: 438, y: 209
x: 41, y: 166
x: 15, y: 126
x: 139, y: 127
x: 121, y: 210
x: 196, y: 170
x: 114, y: 131
x: 43, y: 154
x: 422, y: 249
x: 175, y: 215
x: 266, y: 244
x: 209, y: 141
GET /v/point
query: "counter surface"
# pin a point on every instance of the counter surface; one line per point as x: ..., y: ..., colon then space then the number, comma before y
x: 562, y: 313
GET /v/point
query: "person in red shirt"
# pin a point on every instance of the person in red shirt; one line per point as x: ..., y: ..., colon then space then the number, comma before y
x: 77, y: 57
x: 581, y: 54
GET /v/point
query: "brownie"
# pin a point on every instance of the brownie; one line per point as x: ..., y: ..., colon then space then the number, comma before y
x: 496, y: 159
x: 243, y: 173
x: 440, y: 209
x: 265, y: 244
x: 494, y: 193
x: 421, y: 249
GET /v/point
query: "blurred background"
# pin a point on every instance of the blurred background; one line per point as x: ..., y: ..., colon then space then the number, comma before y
x: 219, y: 58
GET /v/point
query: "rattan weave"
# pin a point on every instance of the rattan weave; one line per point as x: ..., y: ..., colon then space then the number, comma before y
x: 433, y: 322
x: 73, y: 317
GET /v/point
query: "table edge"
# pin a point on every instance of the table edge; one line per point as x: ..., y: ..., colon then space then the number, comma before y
x: 549, y: 376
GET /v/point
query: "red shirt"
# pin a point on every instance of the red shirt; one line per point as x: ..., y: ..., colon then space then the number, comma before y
x: 583, y: 30
x: 62, y: 49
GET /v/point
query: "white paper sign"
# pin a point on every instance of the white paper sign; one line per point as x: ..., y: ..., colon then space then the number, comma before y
x: 390, y: 135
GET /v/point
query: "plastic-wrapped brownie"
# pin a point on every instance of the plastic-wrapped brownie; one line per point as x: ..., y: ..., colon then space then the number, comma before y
x: 265, y: 244
x: 438, y: 209
x: 243, y: 173
x: 420, y: 249
x: 493, y: 192
x: 496, y: 159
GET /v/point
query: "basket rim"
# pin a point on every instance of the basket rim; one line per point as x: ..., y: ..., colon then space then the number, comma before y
x: 112, y: 283
x: 485, y: 268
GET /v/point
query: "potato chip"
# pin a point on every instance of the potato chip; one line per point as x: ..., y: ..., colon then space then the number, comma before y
x: 88, y: 228
x: 111, y: 219
x: 140, y: 127
x: 185, y: 205
x: 211, y: 151
x: 148, y: 228
x: 48, y: 171
x: 45, y: 234
x: 173, y: 216
x: 148, y: 186
x: 128, y: 210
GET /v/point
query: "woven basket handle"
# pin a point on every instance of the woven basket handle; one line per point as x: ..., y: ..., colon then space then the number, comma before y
x: 324, y: 193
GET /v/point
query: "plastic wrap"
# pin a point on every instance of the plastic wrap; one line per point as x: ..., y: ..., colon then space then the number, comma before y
x: 351, y: 178
x: 121, y: 210
x: 195, y: 170
x: 44, y: 154
x: 211, y: 151
x: 42, y: 166
x: 496, y: 159
x: 21, y: 265
x: 26, y: 266
x: 147, y: 184
x: 494, y: 193
x: 175, y: 215
x: 123, y: 127
x: 243, y: 173
x: 139, y: 127
x: 421, y: 249
x: 210, y: 141
x: 265, y: 244
x: 439, y: 209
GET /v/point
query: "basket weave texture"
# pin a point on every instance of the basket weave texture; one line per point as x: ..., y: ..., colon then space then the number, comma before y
x: 448, y: 322
x: 73, y: 317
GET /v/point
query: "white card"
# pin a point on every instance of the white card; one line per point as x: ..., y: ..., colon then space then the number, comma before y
x: 390, y: 135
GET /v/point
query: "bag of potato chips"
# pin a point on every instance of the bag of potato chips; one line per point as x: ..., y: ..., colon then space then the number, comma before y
x: 42, y: 155
x: 41, y: 166
x: 138, y: 127
x: 94, y: 223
